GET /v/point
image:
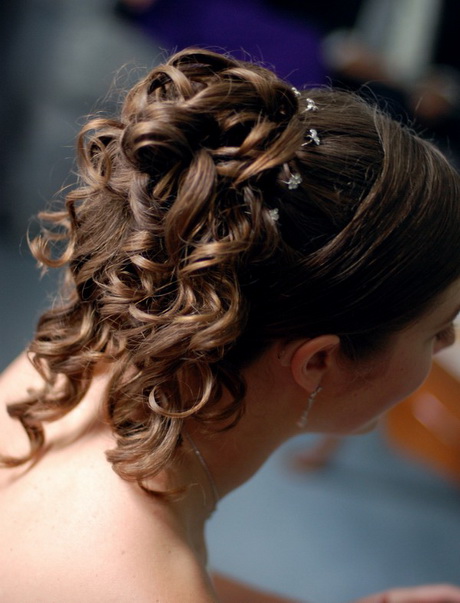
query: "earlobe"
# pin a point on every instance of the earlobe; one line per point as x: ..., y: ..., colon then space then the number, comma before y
x: 312, y: 359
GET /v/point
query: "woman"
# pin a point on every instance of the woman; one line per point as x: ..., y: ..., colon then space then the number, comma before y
x: 245, y: 263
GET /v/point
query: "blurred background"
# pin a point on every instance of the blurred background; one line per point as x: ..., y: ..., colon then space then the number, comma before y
x: 375, y: 514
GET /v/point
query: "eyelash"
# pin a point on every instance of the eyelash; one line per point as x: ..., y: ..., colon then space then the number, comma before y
x: 447, y: 334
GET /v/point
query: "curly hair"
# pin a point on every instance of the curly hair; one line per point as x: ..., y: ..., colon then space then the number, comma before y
x: 179, y: 272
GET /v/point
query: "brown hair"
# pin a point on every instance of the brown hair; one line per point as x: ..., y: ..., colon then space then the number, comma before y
x: 179, y: 272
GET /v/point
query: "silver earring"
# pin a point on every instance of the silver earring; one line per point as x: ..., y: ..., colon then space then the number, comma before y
x: 304, y: 416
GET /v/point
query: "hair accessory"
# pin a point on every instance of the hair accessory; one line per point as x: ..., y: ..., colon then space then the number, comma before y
x: 204, y: 465
x: 311, y: 398
x: 311, y: 105
x: 274, y: 214
x: 312, y: 136
x: 294, y: 181
x: 296, y: 92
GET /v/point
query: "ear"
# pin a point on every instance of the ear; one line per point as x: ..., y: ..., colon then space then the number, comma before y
x: 310, y: 359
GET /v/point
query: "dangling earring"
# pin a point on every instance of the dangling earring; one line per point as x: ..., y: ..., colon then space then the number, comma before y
x: 311, y: 398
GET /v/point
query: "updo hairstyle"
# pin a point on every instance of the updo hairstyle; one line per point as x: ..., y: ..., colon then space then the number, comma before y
x: 221, y: 211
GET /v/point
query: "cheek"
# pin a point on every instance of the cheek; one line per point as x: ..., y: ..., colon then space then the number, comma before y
x: 391, y: 384
x: 357, y: 404
x: 412, y: 373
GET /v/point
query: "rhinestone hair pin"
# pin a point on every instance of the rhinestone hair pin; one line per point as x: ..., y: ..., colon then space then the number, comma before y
x: 274, y: 214
x: 310, y: 105
x: 294, y: 181
x: 312, y: 136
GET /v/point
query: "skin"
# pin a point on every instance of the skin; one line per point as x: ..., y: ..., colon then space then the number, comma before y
x: 60, y: 521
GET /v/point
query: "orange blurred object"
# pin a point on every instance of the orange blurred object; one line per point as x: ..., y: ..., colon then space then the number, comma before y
x: 426, y: 426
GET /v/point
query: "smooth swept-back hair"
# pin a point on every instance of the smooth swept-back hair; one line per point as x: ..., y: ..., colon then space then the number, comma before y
x: 223, y: 210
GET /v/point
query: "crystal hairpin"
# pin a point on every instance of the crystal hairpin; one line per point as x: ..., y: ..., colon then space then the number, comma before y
x: 294, y: 181
x: 310, y: 105
x: 312, y: 136
x: 274, y: 214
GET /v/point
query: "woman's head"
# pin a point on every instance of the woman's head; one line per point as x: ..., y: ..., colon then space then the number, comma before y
x: 369, y: 237
x: 224, y: 210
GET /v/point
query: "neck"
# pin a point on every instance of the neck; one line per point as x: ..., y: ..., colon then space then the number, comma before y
x: 210, y: 492
x: 234, y: 456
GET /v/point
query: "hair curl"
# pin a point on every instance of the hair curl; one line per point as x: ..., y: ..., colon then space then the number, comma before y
x: 177, y: 273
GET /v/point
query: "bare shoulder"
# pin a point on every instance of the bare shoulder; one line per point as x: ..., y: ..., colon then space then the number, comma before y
x: 163, y: 570
x: 15, y: 381
x: 17, y: 378
x: 97, y: 574
x: 142, y: 552
x: 72, y: 530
